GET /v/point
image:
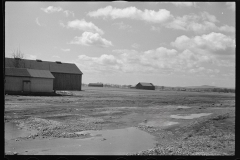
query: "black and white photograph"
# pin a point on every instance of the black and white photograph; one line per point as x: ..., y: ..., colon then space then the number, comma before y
x: 120, y: 78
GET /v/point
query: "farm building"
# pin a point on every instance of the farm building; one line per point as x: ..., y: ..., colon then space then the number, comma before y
x: 67, y: 75
x: 148, y: 86
x: 95, y: 85
x: 28, y: 80
x: 132, y: 86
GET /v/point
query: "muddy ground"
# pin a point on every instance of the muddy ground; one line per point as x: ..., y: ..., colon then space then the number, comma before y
x: 183, y: 123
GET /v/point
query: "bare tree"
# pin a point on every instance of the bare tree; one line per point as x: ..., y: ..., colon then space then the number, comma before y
x: 17, y: 59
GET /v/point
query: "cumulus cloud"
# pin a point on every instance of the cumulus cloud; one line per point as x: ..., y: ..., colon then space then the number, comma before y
x: 84, y: 26
x: 231, y: 5
x: 208, y: 42
x: 202, y: 23
x: 160, y: 60
x: 67, y: 13
x: 132, y: 13
x: 51, y: 9
x: 30, y: 56
x: 91, y: 39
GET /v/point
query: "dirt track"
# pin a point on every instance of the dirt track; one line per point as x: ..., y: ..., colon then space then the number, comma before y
x: 151, y: 111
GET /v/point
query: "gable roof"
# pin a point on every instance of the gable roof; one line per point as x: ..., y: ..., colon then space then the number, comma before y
x: 45, y: 65
x: 24, y: 72
x: 40, y: 73
x: 19, y: 72
x: 146, y: 84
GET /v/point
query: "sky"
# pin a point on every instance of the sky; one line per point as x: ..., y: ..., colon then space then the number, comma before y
x: 164, y: 43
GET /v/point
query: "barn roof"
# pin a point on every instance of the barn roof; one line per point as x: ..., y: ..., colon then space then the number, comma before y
x: 19, y: 72
x: 146, y: 84
x: 57, y: 67
x: 40, y: 73
x: 24, y: 72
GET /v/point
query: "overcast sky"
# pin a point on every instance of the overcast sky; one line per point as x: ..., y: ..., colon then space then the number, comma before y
x: 165, y: 43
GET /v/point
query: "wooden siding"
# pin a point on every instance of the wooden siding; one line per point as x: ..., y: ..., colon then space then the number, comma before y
x: 64, y: 81
x: 41, y: 85
x: 15, y: 84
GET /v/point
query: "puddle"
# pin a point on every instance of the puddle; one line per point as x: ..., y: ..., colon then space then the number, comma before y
x: 158, y: 123
x: 183, y: 107
x: 12, y: 131
x: 191, y: 116
x: 103, y: 142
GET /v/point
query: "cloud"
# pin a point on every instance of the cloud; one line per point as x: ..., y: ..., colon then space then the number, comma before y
x: 231, y: 5
x: 121, y: 25
x: 183, y: 4
x: 32, y: 57
x: 66, y: 50
x: 52, y: 9
x: 132, y: 13
x: 207, y: 42
x: 161, y: 61
x: 84, y: 26
x: 91, y: 39
x: 38, y: 22
x: 200, y: 24
x: 67, y: 13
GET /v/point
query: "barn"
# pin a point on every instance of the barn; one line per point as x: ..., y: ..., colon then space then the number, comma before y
x: 28, y: 80
x: 143, y: 85
x: 67, y: 75
x: 95, y: 85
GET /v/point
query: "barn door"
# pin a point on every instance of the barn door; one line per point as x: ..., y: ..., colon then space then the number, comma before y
x: 26, y: 86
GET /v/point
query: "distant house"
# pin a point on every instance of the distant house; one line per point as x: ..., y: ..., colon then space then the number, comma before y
x: 28, y: 80
x: 95, y: 85
x: 148, y: 86
x: 67, y: 75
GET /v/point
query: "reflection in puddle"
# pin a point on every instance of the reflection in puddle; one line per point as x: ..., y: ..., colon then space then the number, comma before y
x: 103, y: 142
x: 191, y: 116
x: 183, y: 107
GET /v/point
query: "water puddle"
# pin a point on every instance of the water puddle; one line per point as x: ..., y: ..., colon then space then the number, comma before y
x: 158, y: 123
x: 102, y: 142
x: 183, y: 107
x: 191, y: 116
x: 13, y: 132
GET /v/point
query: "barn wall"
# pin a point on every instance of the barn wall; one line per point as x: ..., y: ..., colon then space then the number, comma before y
x: 41, y: 85
x: 139, y: 86
x: 14, y: 83
x: 65, y: 81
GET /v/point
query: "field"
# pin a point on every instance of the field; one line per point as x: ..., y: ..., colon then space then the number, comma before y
x: 175, y: 122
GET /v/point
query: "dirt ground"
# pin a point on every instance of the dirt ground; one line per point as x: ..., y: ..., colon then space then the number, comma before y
x: 163, y: 114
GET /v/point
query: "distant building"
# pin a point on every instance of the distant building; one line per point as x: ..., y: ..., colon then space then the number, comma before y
x: 28, y: 80
x: 132, y: 86
x: 95, y: 85
x: 148, y: 86
x: 67, y: 75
